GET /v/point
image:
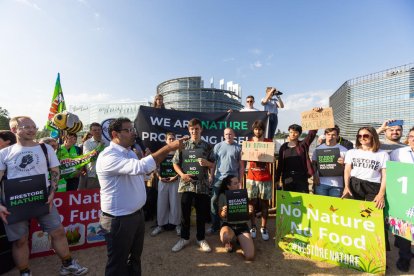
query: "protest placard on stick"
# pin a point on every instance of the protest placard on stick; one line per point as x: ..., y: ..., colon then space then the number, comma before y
x: 258, y: 151
x: 317, y: 120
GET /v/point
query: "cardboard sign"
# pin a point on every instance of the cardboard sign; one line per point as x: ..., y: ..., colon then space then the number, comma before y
x: 190, y: 163
x: 79, y: 212
x: 25, y: 197
x: 317, y: 120
x: 345, y: 232
x: 237, y: 205
x: 166, y: 167
x: 258, y: 151
x: 399, y: 208
x: 327, y: 160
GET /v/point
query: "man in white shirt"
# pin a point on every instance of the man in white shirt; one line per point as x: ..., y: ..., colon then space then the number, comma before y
x: 249, y: 105
x: 121, y: 177
x: 406, y: 155
x: 95, y: 142
x: 393, y: 135
x: 27, y: 158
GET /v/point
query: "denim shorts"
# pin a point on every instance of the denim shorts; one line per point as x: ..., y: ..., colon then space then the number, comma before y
x: 48, y: 223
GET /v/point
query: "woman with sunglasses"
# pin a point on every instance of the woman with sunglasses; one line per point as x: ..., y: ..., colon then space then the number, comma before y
x: 364, y: 174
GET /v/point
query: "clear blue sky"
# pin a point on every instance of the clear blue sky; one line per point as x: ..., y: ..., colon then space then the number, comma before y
x: 121, y: 50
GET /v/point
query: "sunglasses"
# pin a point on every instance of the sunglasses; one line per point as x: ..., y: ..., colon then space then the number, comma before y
x: 249, y: 101
x: 365, y: 136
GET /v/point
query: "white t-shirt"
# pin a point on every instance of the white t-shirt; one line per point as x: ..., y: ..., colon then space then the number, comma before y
x: 247, y: 109
x: 334, y: 181
x: 26, y: 161
x: 367, y: 165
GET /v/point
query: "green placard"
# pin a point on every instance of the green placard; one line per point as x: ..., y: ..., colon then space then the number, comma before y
x: 345, y: 232
x: 399, y: 209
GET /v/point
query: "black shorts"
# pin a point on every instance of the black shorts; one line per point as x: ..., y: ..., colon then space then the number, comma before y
x: 237, y: 228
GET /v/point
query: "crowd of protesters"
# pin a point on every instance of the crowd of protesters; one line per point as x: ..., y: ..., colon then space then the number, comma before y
x: 124, y: 165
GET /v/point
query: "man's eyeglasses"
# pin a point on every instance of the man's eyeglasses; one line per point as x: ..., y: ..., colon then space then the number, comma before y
x: 28, y: 127
x: 365, y: 136
x: 130, y: 130
x: 249, y: 101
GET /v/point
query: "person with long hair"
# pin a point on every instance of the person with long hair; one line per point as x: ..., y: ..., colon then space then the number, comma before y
x: 231, y: 230
x: 158, y: 101
x: 364, y: 174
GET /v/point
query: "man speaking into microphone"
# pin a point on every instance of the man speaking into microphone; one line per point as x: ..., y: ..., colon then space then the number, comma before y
x: 271, y: 103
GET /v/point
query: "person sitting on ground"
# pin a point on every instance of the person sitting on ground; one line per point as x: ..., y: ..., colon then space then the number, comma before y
x: 239, y: 230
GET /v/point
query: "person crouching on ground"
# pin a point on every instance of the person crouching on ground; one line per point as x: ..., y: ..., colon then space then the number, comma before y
x: 239, y: 229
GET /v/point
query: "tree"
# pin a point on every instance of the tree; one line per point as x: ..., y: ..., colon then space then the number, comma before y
x: 4, y: 119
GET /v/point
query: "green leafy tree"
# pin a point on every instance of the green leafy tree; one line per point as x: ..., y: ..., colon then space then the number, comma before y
x: 4, y: 119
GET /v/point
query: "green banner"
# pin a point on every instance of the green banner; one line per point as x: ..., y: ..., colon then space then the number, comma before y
x: 399, y: 208
x: 70, y: 166
x: 348, y: 233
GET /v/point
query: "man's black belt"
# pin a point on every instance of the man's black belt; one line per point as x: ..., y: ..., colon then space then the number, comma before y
x: 295, y: 173
x: 129, y: 215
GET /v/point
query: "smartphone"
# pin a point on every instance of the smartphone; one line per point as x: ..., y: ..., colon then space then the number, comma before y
x: 396, y: 123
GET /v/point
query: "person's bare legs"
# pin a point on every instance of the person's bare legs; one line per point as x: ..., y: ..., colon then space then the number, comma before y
x: 247, y: 245
x: 59, y: 242
x: 265, y: 212
x: 226, y: 234
x: 20, y: 252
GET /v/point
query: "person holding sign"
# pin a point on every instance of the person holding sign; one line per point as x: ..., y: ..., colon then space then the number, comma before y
x: 364, y: 175
x: 26, y: 158
x: 121, y: 175
x: 69, y: 151
x: 259, y: 183
x: 193, y: 165
x: 227, y: 155
x: 168, y: 206
x: 294, y: 165
x: 328, y: 160
x: 406, y: 155
x: 235, y: 229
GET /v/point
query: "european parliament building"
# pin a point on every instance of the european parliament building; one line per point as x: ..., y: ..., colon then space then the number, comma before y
x: 189, y: 94
x: 370, y: 100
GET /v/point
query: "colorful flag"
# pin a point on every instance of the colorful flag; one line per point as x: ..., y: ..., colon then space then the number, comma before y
x: 57, y: 105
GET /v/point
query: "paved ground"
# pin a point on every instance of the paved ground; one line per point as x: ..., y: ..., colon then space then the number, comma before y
x: 159, y: 260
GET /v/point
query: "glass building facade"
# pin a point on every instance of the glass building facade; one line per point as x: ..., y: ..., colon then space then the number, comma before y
x: 189, y: 94
x: 370, y: 100
x: 89, y: 113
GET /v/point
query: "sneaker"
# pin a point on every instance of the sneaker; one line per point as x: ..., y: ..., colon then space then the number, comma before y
x: 204, y: 246
x: 403, y: 265
x: 265, y: 234
x: 26, y: 273
x: 253, y: 232
x: 180, y: 245
x: 74, y: 269
x: 156, y: 231
x: 178, y: 230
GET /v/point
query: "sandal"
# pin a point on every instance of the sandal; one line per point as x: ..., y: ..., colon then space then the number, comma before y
x: 229, y: 247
